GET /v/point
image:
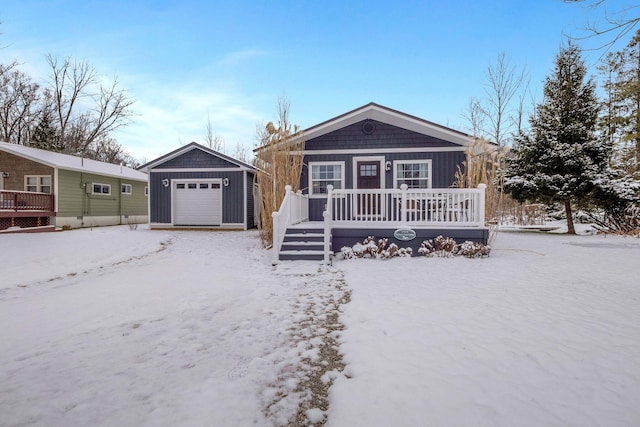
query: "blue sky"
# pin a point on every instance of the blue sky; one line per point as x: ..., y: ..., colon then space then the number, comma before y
x: 182, y: 61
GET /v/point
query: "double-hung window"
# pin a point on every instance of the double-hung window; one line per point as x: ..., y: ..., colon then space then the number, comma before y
x: 323, y: 174
x: 414, y: 173
x: 127, y: 189
x: 38, y: 183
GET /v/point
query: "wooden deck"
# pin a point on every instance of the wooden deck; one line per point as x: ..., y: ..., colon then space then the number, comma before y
x: 25, y: 209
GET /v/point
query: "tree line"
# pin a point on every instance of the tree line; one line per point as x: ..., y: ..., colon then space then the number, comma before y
x: 74, y: 112
x: 577, y: 149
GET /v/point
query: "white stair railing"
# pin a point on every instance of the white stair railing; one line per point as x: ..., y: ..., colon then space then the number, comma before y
x: 294, y: 209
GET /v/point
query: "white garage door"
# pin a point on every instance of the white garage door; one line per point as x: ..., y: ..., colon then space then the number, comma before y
x: 197, y: 202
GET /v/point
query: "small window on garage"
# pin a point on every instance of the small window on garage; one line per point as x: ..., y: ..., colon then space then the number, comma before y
x: 215, y: 185
x: 180, y: 186
x: 204, y: 185
x: 192, y: 185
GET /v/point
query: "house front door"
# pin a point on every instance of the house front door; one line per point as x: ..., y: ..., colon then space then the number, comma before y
x: 368, y: 177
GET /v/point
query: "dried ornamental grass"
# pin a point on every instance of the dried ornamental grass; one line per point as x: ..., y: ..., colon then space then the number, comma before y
x: 279, y: 161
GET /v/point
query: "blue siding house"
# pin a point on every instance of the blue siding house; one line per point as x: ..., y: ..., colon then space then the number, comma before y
x: 375, y: 171
x: 197, y: 187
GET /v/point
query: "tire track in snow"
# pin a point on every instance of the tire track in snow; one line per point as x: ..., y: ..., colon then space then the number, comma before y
x: 54, y: 281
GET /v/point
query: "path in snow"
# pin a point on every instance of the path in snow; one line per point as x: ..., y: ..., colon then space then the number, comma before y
x: 314, y: 345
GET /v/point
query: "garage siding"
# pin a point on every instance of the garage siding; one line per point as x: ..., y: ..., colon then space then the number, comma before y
x: 232, y: 195
x: 251, y: 220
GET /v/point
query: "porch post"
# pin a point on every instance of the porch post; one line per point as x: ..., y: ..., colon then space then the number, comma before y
x: 404, y: 212
x: 327, y: 217
x: 481, y: 203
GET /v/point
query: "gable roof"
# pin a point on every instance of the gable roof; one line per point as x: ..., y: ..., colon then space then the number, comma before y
x: 194, y: 146
x: 73, y: 163
x: 373, y: 111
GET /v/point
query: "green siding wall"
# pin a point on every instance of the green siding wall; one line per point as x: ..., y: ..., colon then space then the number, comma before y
x: 136, y: 202
x: 75, y: 196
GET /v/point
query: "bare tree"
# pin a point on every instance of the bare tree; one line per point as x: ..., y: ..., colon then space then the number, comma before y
x: 474, y: 114
x: 112, y: 110
x: 520, y: 117
x: 19, y: 97
x: 213, y: 140
x: 83, y: 116
x: 504, y: 81
x: 618, y: 24
x: 242, y: 153
x: 69, y: 82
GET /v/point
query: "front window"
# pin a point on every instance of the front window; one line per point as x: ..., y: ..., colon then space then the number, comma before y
x: 103, y: 189
x: 38, y: 183
x: 127, y: 189
x: 416, y: 174
x: 324, y: 174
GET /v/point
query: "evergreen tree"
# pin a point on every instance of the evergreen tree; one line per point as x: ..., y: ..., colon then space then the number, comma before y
x: 621, y: 118
x: 562, y: 159
x: 45, y: 135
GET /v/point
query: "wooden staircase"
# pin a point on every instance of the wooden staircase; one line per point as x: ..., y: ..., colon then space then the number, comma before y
x: 303, y: 243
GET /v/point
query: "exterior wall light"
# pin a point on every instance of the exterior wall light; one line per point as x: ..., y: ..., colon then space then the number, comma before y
x: 387, y: 166
x: 225, y: 182
x: 165, y: 182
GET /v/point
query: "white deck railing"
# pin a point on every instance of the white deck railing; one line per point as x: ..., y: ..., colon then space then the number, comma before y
x: 445, y: 207
x: 293, y: 210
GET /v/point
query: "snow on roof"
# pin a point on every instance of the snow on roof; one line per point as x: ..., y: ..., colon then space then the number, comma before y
x: 74, y: 163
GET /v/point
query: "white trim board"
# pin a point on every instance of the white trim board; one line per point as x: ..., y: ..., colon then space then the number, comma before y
x: 383, y: 150
x: 199, y: 170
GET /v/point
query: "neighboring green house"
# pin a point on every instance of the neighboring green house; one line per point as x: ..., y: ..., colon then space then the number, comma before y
x: 42, y: 188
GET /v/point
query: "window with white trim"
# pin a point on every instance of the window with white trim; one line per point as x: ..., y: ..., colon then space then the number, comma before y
x: 38, y: 183
x: 322, y: 174
x: 127, y: 189
x: 414, y: 173
x: 103, y: 189
x: 146, y: 190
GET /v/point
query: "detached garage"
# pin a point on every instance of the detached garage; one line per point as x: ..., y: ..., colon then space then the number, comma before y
x: 195, y: 186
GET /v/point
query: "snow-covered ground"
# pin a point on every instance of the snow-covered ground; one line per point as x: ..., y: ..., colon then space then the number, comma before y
x: 113, y: 326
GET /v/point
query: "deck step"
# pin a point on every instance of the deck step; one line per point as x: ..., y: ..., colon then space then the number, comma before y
x: 303, y: 230
x: 307, y: 255
x: 303, y: 243
x: 303, y: 237
x: 302, y: 246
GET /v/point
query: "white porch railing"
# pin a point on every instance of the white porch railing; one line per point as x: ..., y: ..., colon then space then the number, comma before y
x: 293, y: 210
x: 437, y: 207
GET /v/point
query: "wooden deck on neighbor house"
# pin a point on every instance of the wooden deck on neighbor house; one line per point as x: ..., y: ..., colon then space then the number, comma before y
x: 25, y: 209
